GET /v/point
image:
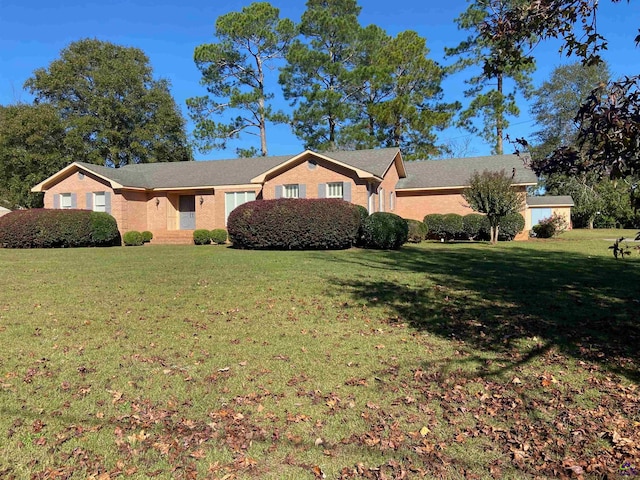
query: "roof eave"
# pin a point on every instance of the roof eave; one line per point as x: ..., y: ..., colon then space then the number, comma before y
x: 455, y: 187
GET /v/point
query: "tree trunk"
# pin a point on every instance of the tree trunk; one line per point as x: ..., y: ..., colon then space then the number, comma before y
x: 499, y: 120
x: 494, y: 234
x: 591, y: 223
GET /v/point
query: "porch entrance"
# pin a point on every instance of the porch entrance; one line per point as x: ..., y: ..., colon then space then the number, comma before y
x: 187, y: 205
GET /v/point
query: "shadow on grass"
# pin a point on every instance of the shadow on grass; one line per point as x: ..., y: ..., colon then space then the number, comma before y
x: 491, y: 298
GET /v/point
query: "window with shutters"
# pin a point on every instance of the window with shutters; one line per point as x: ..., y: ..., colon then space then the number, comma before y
x: 99, y: 202
x: 335, y: 190
x: 65, y: 201
x: 291, y: 191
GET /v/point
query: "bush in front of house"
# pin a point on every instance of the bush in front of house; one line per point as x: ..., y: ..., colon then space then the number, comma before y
x: 550, y: 227
x: 104, y: 230
x: 43, y: 228
x: 147, y: 236
x: 510, y: 226
x: 133, y: 238
x: 435, y: 226
x: 417, y: 231
x: 294, y: 224
x: 451, y: 226
x: 385, y: 231
x: 218, y: 236
x: 201, y: 237
x: 364, y: 213
x: 475, y: 226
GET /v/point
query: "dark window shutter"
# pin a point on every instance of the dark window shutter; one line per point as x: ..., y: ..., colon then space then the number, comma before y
x: 74, y: 200
x: 89, y: 205
x: 278, y: 191
x: 107, y: 202
x: 302, y: 191
x: 56, y: 200
x: 322, y: 190
x: 346, y: 191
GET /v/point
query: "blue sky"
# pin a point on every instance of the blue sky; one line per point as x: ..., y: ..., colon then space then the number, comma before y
x: 32, y: 34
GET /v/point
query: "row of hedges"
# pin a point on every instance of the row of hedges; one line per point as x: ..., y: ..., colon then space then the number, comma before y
x: 217, y: 236
x: 133, y: 238
x: 308, y: 224
x: 42, y: 228
x: 473, y: 226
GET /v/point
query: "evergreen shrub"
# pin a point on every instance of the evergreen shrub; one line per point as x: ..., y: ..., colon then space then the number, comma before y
x: 294, y: 224
x: 45, y: 228
x: 385, y: 231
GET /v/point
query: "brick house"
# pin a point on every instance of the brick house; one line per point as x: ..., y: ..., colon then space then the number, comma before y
x: 173, y: 199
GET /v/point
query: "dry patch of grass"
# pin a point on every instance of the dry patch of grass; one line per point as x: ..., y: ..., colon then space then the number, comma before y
x: 206, y: 362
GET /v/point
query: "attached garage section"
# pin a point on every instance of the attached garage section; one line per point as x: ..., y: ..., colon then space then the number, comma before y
x: 544, y: 206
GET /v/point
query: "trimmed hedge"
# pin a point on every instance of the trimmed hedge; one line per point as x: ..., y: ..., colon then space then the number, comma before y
x: 452, y: 226
x: 475, y: 226
x: 417, y: 231
x: 294, y: 224
x: 510, y: 226
x: 202, y: 237
x: 435, y: 226
x: 218, y: 236
x: 385, y: 231
x: 43, y: 228
x: 147, y: 236
x: 133, y: 238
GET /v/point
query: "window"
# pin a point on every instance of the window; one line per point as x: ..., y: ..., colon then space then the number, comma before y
x: 335, y: 190
x: 99, y: 202
x: 392, y: 203
x: 235, y: 199
x: 291, y: 191
x: 65, y: 201
x: 381, y: 200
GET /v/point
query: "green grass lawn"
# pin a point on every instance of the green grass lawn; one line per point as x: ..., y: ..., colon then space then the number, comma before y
x: 438, y: 360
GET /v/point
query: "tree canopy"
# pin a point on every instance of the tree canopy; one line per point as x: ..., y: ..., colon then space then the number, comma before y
x: 233, y: 71
x: 32, y: 147
x: 492, y: 193
x: 502, y: 53
x: 114, y: 112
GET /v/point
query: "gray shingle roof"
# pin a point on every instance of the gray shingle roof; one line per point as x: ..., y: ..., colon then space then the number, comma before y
x: 376, y: 161
x: 455, y: 172
x: 421, y: 174
x: 189, y: 174
x: 550, y: 201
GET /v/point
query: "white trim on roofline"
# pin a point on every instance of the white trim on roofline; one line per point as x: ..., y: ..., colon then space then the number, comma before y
x: 454, y: 187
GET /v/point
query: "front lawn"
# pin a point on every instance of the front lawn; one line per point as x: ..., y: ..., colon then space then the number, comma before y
x: 514, y: 361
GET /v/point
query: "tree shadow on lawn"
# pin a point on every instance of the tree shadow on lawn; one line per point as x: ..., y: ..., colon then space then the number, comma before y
x: 490, y: 298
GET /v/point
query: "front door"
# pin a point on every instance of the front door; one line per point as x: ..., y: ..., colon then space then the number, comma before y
x: 187, y: 212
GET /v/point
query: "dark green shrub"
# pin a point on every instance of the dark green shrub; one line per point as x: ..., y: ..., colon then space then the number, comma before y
x: 202, y: 237
x: 510, y: 226
x: 417, y: 231
x: 364, y: 213
x: 147, y: 236
x: 474, y: 226
x: 42, y: 228
x: 385, y: 231
x: 294, y: 224
x: 132, y: 238
x: 218, y: 236
x: 550, y: 227
x: 435, y: 226
x: 451, y: 226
